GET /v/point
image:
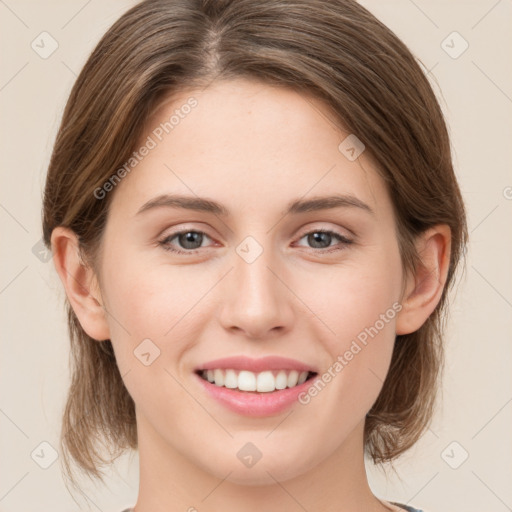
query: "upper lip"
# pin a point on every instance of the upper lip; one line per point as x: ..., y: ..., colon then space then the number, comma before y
x: 256, y: 365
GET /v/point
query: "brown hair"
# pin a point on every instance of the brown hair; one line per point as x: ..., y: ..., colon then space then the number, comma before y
x: 334, y: 50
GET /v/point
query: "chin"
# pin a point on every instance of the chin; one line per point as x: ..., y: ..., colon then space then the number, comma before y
x: 262, y: 473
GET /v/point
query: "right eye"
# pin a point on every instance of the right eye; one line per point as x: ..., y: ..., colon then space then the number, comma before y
x: 190, y: 240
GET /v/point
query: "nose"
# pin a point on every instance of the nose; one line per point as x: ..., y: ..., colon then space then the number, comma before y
x: 258, y: 303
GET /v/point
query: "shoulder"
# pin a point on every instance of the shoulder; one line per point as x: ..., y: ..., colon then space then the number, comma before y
x: 408, y: 508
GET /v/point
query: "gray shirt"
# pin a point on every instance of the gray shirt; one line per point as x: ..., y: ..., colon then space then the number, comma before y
x: 405, y: 507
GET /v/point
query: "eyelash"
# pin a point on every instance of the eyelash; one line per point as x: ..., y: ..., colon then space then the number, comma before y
x: 165, y: 243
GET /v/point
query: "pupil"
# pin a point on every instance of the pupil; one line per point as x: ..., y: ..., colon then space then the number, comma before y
x: 316, y: 238
x: 190, y: 238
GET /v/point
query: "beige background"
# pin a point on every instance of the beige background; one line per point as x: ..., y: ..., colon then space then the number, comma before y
x: 476, y: 410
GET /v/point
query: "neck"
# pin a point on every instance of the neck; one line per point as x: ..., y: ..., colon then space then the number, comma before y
x: 170, y: 482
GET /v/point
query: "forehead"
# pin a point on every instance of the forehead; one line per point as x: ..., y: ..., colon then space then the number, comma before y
x: 249, y: 145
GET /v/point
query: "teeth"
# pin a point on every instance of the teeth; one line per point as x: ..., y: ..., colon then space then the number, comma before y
x: 281, y: 380
x: 263, y: 382
x: 292, y: 378
x: 246, y: 381
x: 302, y: 378
x: 230, y: 379
x: 218, y: 375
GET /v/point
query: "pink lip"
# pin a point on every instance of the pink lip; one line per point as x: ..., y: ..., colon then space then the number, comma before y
x: 250, y: 403
x: 257, y: 365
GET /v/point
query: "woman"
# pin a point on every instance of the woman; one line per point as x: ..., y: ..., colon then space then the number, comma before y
x: 253, y: 212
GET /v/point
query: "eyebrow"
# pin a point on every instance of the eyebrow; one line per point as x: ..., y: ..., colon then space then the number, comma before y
x: 201, y: 204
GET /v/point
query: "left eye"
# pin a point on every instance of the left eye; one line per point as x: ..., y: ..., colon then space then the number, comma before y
x: 319, y: 237
x: 192, y: 240
x: 189, y: 239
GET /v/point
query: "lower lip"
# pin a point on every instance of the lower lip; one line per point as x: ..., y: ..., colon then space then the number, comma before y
x: 251, y: 403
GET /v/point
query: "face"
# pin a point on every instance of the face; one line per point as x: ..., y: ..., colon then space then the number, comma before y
x: 250, y: 279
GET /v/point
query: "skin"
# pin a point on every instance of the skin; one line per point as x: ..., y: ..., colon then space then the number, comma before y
x: 253, y: 148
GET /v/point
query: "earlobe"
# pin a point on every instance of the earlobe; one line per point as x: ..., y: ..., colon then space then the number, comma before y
x: 80, y: 284
x: 424, y: 289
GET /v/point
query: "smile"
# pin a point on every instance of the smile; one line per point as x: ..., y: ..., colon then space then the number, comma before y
x: 262, y: 382
x: 255, y: 387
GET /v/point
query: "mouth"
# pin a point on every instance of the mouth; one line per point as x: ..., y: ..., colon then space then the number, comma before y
x: 266, y: 381
x: 260, y: 387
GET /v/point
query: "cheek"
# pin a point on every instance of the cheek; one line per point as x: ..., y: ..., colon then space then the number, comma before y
x: 151, y: 309
x: 360, y: 350
x: 150, y: 300
x: 165, y: 304
x: 352, y: 298
x: 359, y: 303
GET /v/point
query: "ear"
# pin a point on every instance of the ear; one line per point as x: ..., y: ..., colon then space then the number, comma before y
x: 80, y: 284
x: 424, y: 288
